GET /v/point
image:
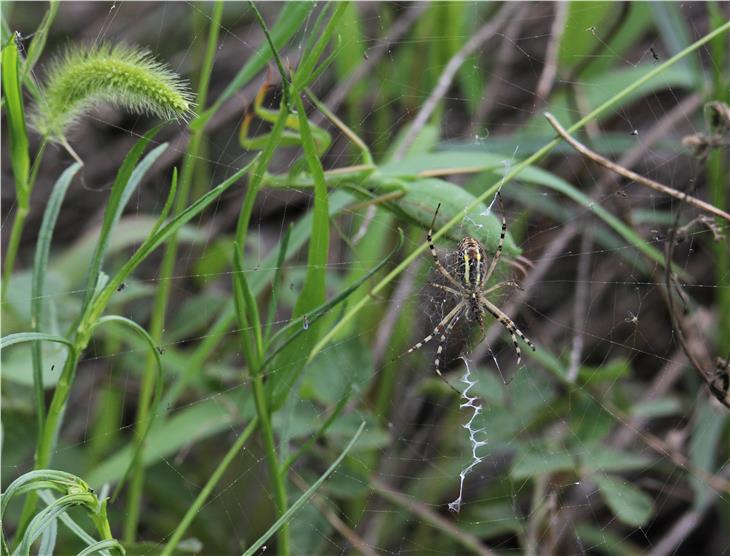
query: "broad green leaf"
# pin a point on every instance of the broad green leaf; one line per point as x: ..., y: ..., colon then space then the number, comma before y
x: 630, y: 505
x: 530, y: 463
x: 706, y: 440
x: 184, y: 428
x: 601, y: 539
x: 603, y: 458
x: 662, y: 407
x: 584, y: 24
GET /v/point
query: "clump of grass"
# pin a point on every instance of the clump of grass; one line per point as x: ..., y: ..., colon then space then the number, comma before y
x: 121, y: 75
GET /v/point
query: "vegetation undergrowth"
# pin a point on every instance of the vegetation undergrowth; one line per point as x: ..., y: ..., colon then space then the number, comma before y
x: 283, y: 364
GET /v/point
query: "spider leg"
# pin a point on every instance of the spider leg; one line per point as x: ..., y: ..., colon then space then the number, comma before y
x: 443, y: 328
x: 442, y: 341
x: 439, y: 266
x: 507, y: 322
x: 501, y: 285
x: 498, y: 253
x: 446, y: 289
x: 440, y: 328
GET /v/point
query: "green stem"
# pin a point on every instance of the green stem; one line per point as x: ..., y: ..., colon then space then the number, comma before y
x: 15, y: 233
x: 18, y: 223
x: 47, y: 441
x: 285, y: 80
x: 157, y: 320
x: 194, y: 509
x: 272, y: 460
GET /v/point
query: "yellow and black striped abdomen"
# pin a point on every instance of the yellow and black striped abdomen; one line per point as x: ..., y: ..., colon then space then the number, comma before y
x: 472, y: 263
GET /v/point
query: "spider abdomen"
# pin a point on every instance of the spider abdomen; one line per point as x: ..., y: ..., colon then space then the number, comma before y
x: 472, y: 263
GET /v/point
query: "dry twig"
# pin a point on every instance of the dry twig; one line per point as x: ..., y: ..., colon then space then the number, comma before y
x: 625, y: 172
x: 416, y: 508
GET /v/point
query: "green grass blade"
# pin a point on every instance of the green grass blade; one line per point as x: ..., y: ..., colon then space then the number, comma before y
x: 250, y: 551
x: 38, y: 44
x: 102, y: 546
x: 121, y: 190
x: 207, y: 489
x: 305, y: 72
x: 293, y: 15
x: 54, y: 479
x: 248, y: 314
x: 313, y: 293
x: 15, y: 112
x: 162, y: 234
x: 40, y: 268
x: 49, y: 514
x: 22, y: 337
x: 276, y: 284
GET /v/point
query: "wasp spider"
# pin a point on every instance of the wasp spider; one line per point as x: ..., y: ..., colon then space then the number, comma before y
x: 469, y: 287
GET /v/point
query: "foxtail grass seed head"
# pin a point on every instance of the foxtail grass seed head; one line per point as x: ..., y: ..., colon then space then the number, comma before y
x: 124, y: 76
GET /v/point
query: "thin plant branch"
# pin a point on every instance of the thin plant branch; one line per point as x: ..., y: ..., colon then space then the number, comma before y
x: 628, y: 174
x: 432, y: 518
x: 550, y: 68
x: 580, y: 306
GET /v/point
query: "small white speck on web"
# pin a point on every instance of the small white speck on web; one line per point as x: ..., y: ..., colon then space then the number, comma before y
x: 474, y: 403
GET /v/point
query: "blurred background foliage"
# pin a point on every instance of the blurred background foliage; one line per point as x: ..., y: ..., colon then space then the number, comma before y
x: 279, y: 307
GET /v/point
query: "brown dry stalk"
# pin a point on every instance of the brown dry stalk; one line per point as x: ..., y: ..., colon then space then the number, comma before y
x: 429, y: 516
x: 628, y: 174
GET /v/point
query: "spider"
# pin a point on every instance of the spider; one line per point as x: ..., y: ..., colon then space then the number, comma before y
x: 469, y: 286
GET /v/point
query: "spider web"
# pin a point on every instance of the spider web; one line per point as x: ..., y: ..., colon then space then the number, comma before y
x: 543, y: 464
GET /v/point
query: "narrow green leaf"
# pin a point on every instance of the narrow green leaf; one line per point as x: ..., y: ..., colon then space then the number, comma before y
x: 122, y: 189
x: 38, y: 44
x: 21, y: 337
x: 101, y: 546
x: 313, y: 291
x: 303, y: 498
x: 164, y: 232
x: 628, y: 503
x: 248, y: 314
x: 40, y: 270
x: 306, y: 71
x: 293, y: 15
x: 276, y: 284
x: 15, y: 111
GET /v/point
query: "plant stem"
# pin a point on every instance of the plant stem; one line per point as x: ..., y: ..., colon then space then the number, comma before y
x: 18, y: 224
x: 207, y: 489
x: 47, y: 441
x: 157, y: 319
x: 12, y: 250
x: 272, y: 460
